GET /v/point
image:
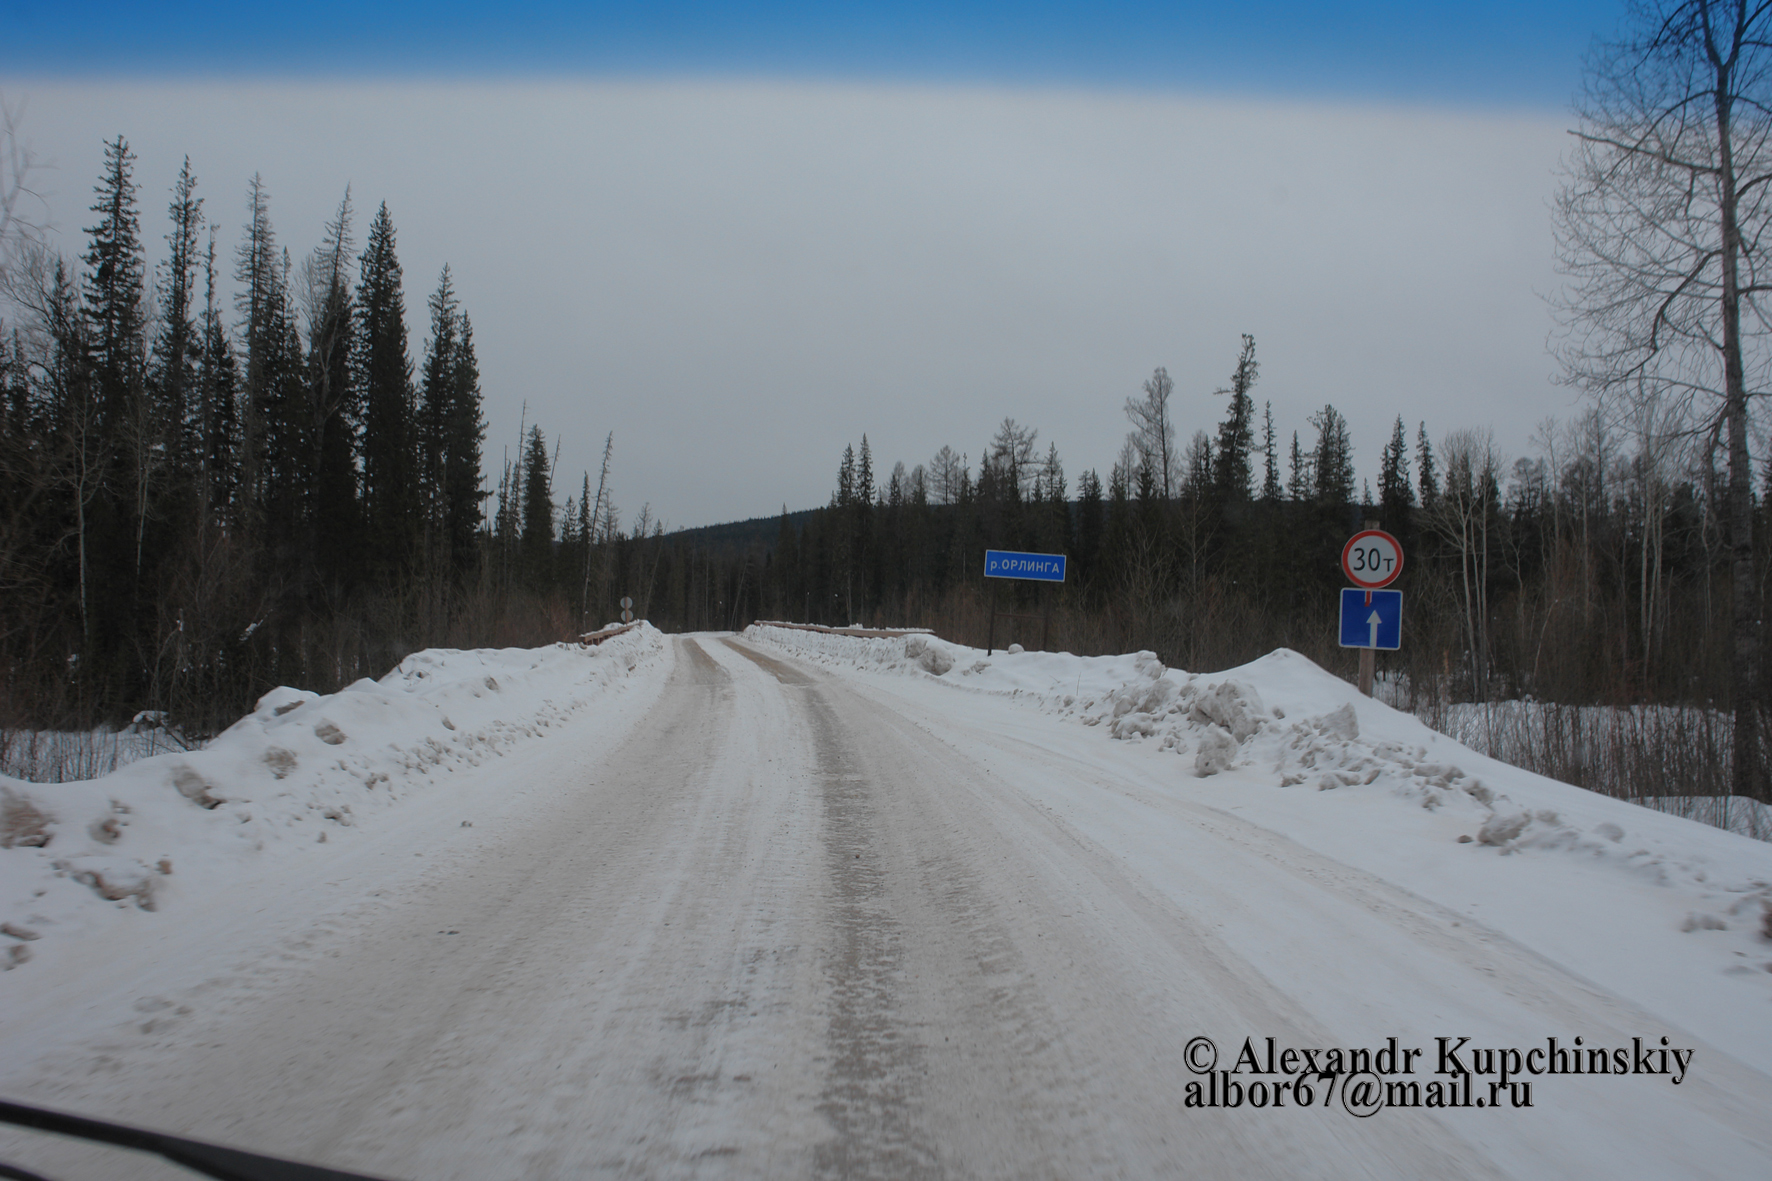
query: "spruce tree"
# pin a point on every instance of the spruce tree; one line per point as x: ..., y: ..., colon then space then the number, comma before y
x: 1300, y: 483
x: 218, y: 412
x: 1089, y: 524
x: 1395, y: 494
x: 846, y: 478
x: 123, y: 451
x: 1233, y: 473
x: 464, y: 431
x: 332, y: 401
x: 286, y: 424
x: 1333, y: 462
x: 1270, y: 479
x: 255, y: 271
x: 538, y: 512
x: 113, y: 293
x: 383, y: 371
x: 1425, y: 470
x: 176, y: 346
x: 436, y: 395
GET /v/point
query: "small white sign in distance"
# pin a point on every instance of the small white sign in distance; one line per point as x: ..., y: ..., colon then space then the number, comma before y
x: 626, y: 602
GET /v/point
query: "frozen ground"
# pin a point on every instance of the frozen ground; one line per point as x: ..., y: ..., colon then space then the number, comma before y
x: 795, y: 904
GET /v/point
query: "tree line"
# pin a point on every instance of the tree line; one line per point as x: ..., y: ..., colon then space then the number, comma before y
x: 1595, y: 569
x: 208, y: 490
x: 205, y: 493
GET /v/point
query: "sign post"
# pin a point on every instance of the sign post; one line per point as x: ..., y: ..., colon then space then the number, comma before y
x: 999, y: 563
x: 1371, y: 617
x: 627, y: 609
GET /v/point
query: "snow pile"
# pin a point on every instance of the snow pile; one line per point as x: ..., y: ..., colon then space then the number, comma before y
x: 301, y: 770
x: 1282, y: 722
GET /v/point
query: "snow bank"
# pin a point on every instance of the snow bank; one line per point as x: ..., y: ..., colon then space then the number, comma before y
x: 1300, y: 751
x: 301, y: 770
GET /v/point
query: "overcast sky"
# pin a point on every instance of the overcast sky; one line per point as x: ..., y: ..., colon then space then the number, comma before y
x: 742, y: 237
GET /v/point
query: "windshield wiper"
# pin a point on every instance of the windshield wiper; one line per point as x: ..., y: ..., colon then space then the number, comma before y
x: 211, y: 1160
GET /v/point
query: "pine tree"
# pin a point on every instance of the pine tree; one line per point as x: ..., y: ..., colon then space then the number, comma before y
x: 383, y: 371
x: 1232, y: 469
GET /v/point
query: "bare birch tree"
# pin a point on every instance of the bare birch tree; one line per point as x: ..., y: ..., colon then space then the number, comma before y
x: 1153, y: 432
x: 1662, y: 229
x: 1462, y: 516
x: 23, y: 212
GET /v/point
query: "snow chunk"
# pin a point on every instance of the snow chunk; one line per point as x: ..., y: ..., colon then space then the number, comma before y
x: 1342, y: 723
x: 931, y: 658
x: 1217, y: 751
x: 1234, y: 706
x: 1499, y: 829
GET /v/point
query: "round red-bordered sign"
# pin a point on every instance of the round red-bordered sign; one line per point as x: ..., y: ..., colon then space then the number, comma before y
x: 1371, y: 559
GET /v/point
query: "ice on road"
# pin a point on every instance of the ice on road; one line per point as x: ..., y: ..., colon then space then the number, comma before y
x: 753, y: 916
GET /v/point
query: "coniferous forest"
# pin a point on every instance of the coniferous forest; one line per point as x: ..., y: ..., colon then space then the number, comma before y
x: 241, y: 467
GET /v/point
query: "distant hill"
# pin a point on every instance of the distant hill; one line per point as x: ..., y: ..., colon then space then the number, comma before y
x: 738, y: 536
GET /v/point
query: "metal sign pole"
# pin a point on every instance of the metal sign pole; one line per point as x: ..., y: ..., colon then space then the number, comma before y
x: 1368, y: 656
x: 990, y: 643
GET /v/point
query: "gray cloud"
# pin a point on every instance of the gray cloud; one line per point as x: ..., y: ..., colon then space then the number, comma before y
x: 739, y: 278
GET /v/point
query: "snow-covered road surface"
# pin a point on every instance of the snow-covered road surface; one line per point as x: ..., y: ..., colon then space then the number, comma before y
x: 762, y: 919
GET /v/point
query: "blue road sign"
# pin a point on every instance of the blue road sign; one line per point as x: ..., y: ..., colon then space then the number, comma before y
x: 1002, y: 563
x: 1371, y: 618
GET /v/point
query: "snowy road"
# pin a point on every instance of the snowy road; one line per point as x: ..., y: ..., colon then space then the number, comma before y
x: 784, y: 923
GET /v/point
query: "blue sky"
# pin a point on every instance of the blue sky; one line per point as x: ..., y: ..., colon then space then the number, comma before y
x: 1511, y: 54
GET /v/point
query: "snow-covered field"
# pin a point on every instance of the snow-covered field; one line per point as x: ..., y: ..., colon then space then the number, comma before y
x: 803, y: 904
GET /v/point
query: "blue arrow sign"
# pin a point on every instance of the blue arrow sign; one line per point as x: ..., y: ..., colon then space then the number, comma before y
x: 1002, y: 563
x: 1371, y: 618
